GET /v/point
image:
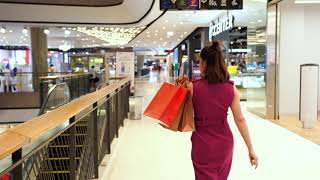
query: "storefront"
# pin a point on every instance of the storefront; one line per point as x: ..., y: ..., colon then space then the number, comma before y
x: 294, y: 23
x: 245, y: 53
x: 15, y: 57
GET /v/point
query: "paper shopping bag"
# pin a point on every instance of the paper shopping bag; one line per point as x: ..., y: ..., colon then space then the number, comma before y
x: 166, y: 105
x: 187, y: 119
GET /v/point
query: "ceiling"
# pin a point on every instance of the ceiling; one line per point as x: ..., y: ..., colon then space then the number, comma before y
x: 129, y: 12
x: 154, y: 37
x: 94, y: 3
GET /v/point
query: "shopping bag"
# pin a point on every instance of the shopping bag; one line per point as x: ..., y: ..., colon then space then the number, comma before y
x: 166, y: 105
x: 187, y: 118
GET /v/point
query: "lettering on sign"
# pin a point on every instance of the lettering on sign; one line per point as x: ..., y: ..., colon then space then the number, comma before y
x: 225, y: 24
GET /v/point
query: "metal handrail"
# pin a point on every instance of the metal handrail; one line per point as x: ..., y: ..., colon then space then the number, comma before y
x: 76, y: 106
x: 43, y: 106
x: 86, y: 127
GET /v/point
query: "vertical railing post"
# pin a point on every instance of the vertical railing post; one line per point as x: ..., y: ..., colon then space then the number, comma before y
x: 108, y: 128
x: 72, y: 149
x: 116, y: 105
x: 95, y: 141
x: 120, y: 106
x: 78, y: 82
x: 17, y: 171
x: 41, y: 90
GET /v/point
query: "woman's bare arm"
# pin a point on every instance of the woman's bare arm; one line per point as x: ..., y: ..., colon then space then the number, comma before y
x: 242, y: 126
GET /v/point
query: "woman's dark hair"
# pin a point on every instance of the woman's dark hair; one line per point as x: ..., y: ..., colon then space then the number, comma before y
x: 216, y: 69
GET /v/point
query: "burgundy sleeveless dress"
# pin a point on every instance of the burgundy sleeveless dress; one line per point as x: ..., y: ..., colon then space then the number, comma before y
x: 212, y: 142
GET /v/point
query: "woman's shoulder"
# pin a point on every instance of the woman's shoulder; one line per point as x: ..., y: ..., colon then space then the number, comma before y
x: 230, y: 82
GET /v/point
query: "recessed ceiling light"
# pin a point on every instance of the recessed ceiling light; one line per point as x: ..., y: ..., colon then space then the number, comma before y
x: 93, y: 41
x: 138, y: 41
x: 148, y: 32
x: 46, y: 31
x: 166, y: 21
x: 185, y: 32
x: 156, y: 31
x: 24, y: 30
x: 148, y: 36
x: 259, y: 21
x: 163, y: 27
x: 10, y: 31
x: 3, y: 30
x: 170, y: 33
x: 239, y: 28
x: 154, y: 42
x: 78, y: 35
x: 161, y: 39
x: 67, y: 32
x: 178, y: 39
x: 156, y: 34
x: 181, y: 22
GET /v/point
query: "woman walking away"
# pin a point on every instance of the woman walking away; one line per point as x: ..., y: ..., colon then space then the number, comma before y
x: 213, y: 94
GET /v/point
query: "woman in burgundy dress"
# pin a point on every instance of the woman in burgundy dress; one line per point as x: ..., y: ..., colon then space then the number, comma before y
x: 213, y: 94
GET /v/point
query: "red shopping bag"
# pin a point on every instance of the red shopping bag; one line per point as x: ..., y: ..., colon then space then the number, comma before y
x: 5, y: 177
x: 166, y: 105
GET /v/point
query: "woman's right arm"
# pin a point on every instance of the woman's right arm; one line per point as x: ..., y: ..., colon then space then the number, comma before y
x: 242, y: 126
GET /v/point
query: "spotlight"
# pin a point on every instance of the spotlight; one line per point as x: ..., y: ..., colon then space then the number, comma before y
x: 46, y: 31
x: 25, y: 31
x: 3, y: 30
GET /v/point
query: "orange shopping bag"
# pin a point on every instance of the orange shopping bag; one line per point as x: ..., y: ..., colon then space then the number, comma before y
x: 167, y: 105
x: 187, y: 119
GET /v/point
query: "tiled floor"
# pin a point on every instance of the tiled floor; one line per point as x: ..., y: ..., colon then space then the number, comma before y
x: 145, y: 151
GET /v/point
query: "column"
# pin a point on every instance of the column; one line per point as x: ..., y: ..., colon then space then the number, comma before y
x: 39, y: 51
x: 204, y: 37
x: 191, y: 57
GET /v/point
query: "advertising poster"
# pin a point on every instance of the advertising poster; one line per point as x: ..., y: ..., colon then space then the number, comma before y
x: 167, y: 4
x: 193, y: 4
x: 125, y: 65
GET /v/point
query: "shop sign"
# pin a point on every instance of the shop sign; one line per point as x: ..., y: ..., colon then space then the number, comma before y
x: 217, y: 27
x: 200, y: 4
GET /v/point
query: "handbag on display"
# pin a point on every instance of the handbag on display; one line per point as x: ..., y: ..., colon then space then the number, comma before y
x: 172, y: 105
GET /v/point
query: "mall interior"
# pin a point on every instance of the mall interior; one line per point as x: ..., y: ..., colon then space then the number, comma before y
x: 76, y: 77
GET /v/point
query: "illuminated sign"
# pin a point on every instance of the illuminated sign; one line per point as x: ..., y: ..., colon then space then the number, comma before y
x: 217, y: 27
x: 201, y: 4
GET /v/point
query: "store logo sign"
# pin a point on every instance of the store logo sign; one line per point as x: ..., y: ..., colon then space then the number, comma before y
x: 217, y: 27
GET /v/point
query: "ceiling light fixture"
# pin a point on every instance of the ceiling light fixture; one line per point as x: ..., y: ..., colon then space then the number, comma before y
x: 25, y: 30
x: 307, y: 1
x: 46, y: 31
x: 163, y: 27
x: 170, y: 33
x: 67, y: 32
x: 3, y: 30
x: 114, y: 36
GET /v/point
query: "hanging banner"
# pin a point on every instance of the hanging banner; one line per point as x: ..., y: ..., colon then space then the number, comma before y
x: 125, y: 65
x: 201, y: 4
